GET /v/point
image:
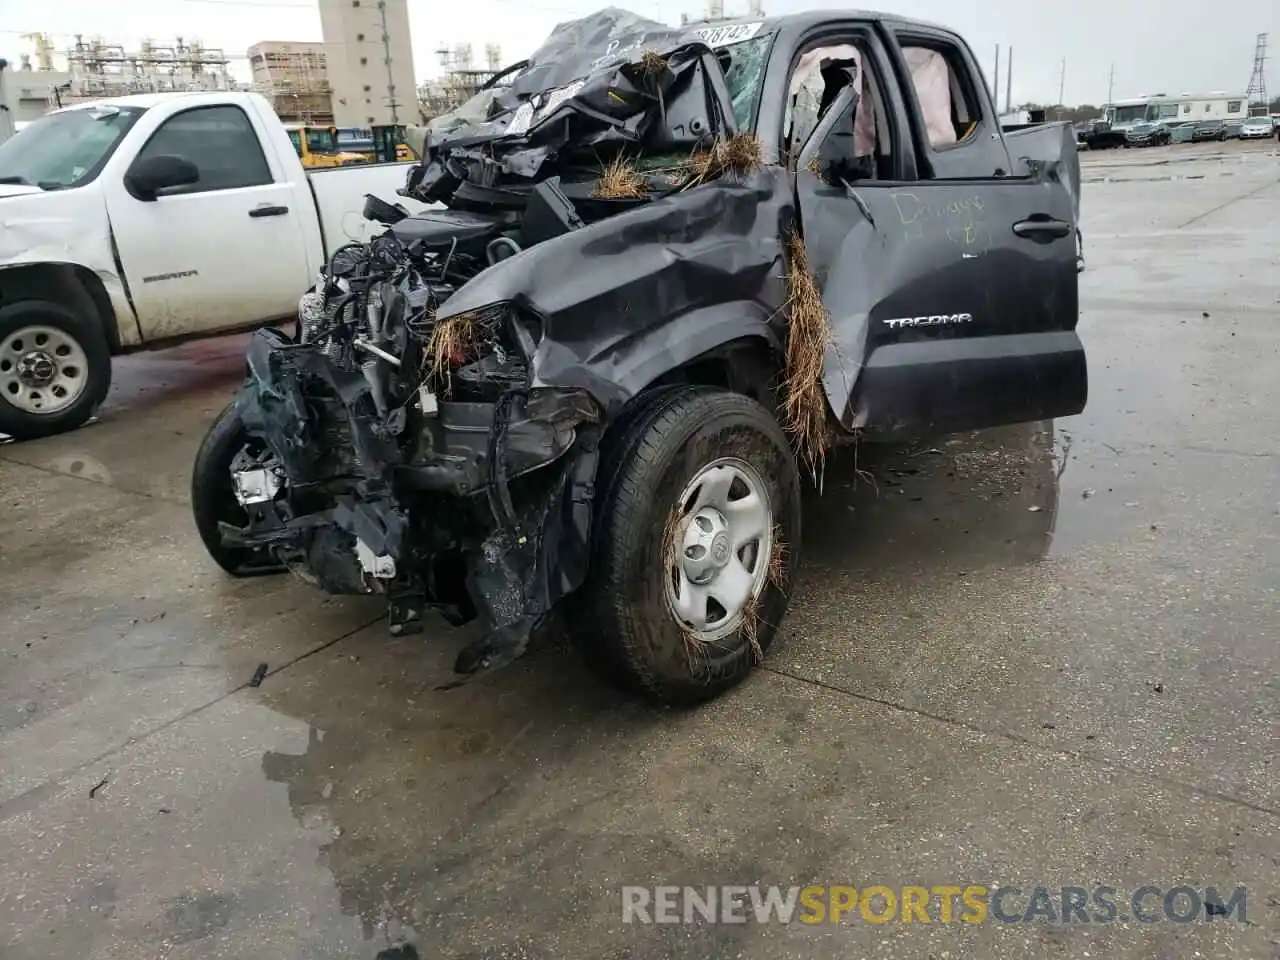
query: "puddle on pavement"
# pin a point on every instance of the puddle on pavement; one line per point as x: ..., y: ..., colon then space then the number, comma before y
x: 432, y: 799
x: 962, y: 502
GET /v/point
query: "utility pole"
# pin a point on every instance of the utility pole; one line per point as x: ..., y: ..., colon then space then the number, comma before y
x: 995, y: 82
x: 386, y: 57
x: 1062, y: 83
x: 1008, y: 83
x: 1111, y: 84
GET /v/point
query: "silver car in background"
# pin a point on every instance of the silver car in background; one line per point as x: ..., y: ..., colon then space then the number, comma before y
x: 1256, y: 128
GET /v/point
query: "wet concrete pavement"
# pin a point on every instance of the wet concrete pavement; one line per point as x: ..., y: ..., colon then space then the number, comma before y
x: 1044, y: 655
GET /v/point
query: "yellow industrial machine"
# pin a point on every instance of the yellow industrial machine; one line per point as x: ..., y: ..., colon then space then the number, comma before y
x: 318, y: 147
x: 378, y: 144
x: 390, y: 144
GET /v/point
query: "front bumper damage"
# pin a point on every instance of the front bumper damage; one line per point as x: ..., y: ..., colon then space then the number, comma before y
x: 486, y: 511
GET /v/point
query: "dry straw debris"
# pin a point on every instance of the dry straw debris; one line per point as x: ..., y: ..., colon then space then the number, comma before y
x: 620, y: 180
x: 750, y: 628
x: 804, y: 413
x: 653, y: 63
x: 778, y: 559
x: 737, y: 155
x: 672, y: 537
x: 451, y: 340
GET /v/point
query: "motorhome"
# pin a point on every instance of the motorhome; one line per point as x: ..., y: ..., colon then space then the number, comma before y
x: 1182, y: 108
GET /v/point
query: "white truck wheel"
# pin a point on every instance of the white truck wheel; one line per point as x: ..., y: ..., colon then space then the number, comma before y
x: 55, y: 369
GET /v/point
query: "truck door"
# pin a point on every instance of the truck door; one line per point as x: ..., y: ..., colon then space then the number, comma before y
x: 951, y: 287
x: 224, y: 252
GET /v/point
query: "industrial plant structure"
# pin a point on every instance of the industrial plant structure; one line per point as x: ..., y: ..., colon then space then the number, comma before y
x: 461, y: 80
x: 294, y: 77
x: 361, y: 75
x: 98, y: 69
x: 370, y: 61
x: 28, y: 90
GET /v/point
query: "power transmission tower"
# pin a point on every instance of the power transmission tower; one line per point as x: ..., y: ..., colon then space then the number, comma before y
x: 386, y: 57
x: 1257, y: 92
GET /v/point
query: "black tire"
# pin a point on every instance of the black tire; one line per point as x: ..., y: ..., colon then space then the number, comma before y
x: 621, y: 618
x: 88, y: 335
x: 213, y: 498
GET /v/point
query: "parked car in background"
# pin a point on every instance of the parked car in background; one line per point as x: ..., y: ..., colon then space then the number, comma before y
x: 1256, y: 128
x: 1098, y: 135
x: 1181, y: 132
x: 1147, y: 135
x: 1232, y: 128
x: 1209, y: 130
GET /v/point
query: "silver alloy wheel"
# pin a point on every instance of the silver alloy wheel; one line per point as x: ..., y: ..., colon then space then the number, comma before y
x: 722, y: 548
x: 43, y: 370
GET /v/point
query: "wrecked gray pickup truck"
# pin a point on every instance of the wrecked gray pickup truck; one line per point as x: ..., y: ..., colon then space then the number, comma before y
x: 672, y: 268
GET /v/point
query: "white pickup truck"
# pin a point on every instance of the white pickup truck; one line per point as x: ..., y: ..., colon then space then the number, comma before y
x: 132, y: 223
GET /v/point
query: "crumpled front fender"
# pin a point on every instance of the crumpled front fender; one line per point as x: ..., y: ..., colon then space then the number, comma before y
x: 628, y: 299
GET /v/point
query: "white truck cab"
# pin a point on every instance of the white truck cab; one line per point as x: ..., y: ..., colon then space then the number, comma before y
x: 132, y: 223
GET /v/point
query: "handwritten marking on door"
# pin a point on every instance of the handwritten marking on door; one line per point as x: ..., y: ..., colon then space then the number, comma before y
x: 959, y: 219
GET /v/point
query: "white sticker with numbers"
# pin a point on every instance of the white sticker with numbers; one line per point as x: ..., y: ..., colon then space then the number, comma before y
x: 726, y: 34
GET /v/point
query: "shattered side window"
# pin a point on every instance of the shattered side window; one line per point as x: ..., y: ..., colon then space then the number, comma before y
x: 745, y: 77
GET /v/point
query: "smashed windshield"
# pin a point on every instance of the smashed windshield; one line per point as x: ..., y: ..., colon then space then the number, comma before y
x: 65, y: 149
x: 577, y: 48
x: 745, y: 76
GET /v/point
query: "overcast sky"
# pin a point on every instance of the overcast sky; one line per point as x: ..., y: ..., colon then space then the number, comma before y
x: 1172, y: 47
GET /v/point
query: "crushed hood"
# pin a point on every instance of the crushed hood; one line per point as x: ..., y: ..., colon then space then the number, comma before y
x: 574, y: 50
x: 650, y: 94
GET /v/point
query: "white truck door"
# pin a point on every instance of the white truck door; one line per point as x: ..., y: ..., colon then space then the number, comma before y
x: 224, y: 252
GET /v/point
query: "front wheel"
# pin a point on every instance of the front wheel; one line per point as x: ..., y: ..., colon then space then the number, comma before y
x: 55, y: 369
x: 213, y: 497
x: 698, y: 528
